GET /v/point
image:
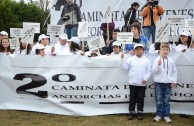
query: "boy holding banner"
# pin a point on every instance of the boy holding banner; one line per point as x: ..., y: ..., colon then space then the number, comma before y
x: 165, y: 78
x: 139, y: 68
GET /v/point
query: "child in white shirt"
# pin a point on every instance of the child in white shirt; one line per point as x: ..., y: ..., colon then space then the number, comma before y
x: 165, y: 77
x: 139, y: 68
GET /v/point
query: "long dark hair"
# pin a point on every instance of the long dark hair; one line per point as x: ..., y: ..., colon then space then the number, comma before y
x: 22, y: 48
x: 2, y: 49
x: 188, y: 41
x: 74, y: 47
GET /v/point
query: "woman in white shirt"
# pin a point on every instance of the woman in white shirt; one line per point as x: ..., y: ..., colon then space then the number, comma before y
x: 75, y: 46
x: 184, y: 42
x: 25, y: 49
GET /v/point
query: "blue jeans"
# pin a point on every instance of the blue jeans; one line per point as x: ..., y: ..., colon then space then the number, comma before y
x: 148, y: 31
x: 162, y: 95
x: 71, y: 32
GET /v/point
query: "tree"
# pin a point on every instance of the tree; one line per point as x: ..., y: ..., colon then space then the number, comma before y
x: 13, y: 14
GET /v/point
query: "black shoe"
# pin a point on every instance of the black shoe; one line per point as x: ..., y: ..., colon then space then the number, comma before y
x: 140, y: 116
x: 131, y: 116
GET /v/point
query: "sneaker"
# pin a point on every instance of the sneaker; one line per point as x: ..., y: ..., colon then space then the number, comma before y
x: 140, y: 115
x: 157, y: 118
x: 131, y: 116
x: 167, y: 119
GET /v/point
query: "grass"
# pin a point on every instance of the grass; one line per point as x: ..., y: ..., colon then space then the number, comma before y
x: 24, y: 118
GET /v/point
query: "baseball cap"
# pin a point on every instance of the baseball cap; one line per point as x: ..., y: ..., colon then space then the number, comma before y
x: 63, y: 36
x: 116, y: 44
x: 40, y: 46
x: 75, y: 40
x: 43, y: 36
x: 186, y: 33
x: 4, y: 33
x: 138, y: 45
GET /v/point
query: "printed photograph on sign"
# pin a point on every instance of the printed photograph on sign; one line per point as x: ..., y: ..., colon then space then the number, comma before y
x: 36, y: 25
x: 96, y: 43
x: 125, y: 37
x: 16, y: 32
x: 14, y: 43
x: 189, y: 23
x: 55, y: 29
x: 83, y: 29
x: 162, y: 31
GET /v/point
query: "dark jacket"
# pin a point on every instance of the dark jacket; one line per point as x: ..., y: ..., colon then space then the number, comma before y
x: 130, y: 16
x: 74, y: 14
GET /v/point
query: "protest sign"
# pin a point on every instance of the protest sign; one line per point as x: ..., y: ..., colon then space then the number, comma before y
x: 96, y: 43
x: 176, y: 20
x: 14, y: 43
x: 83, y: 29
x: 15, y: 32
x: 28, y: 34
x: 36, y: 25
x: 108, y: 15
x: 162, y: 29
x: 125, y: 37
x: 189, y: 23
x: 55, y: 29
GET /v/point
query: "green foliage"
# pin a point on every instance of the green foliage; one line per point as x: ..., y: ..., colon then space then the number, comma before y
x: 13, y: 14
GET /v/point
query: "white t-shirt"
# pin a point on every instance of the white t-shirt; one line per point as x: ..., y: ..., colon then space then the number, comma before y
x: 62, y: 49
x: 180, y: 47
x: 47, y: 49
x: 23, y: 52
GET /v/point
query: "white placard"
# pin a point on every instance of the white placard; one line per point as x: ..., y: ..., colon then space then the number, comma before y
x: 108, y: 15
x: 189, y: 23
x: 125, y: 37
x: 28, y: 34
x: 55, y: 29
x: 162, y: 31
x: 96, y: 43
x: 176, y: 20
x: 14, y: 43
x: 36, y: 25
x: 83, y: 29
x: 16, y: 32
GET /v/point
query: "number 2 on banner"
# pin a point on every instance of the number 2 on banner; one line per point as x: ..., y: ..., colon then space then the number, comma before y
x: 37, y: 81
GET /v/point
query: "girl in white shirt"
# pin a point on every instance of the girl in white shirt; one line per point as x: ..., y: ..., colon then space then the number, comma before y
x: 75, y: 46
x: 184, y: 42
x: 23, y: 50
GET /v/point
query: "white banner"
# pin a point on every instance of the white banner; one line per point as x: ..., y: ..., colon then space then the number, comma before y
x: 86, y: 87
x: 93, y: 11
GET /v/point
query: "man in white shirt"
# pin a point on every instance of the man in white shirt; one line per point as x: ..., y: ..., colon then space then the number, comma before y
x: 62, y: 47
x: 44, y: 40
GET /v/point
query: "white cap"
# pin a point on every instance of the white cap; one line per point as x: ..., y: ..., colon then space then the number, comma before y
x: 138, y: 45
x: 116, y: 44
x: 4, y: 33
x: 75, y: 40
x: 63, y: 36
x: 43, y: 36
x: 186, y: 33
x: 40, y: 46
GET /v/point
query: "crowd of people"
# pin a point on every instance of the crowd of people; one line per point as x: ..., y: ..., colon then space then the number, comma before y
x: 139, y: 67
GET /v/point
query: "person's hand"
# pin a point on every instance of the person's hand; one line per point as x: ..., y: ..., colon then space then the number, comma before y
x: 122, y: 56
x: 82, y: 54
x: 144, y: 82
x: 173, y: 85
x: 52, y: 49
x: 107, y: 42
x: 159, y: 62
x: 191, y: 46
x: 131, y: 52
x: 184, y: 50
